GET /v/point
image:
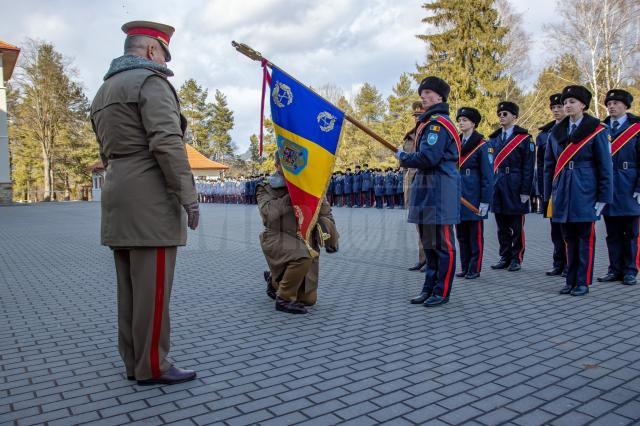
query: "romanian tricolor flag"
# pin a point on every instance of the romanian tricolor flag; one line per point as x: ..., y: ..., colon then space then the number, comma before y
x: 307, y: 133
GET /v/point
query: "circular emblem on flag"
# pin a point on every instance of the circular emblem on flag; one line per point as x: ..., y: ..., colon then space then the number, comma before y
x: 326, y: 121
x: 281, y: 94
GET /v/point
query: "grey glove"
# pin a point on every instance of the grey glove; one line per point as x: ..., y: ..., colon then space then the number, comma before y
x: 193, y: 215
x: 599, y: 207
x: 483, y: 208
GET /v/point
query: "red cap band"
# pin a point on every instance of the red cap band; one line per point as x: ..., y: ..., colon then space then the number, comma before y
x: 149, y: 32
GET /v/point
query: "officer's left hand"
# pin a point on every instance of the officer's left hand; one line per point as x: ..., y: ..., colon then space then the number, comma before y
x: 636, y: 195
x: 524, y: 198
x: 599, y: 207
x: 398, y: 152
x: 193, y: 215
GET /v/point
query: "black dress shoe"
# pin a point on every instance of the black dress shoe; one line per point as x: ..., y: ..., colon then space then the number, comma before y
x: 554, y: 271
x: 609, y: 277
x: 472, y: 275
x: 581, y: 290
x: 435, y: 301
x: 419, y: 299
x: 131, y: 378
x: 629, y: 280
x: 460, y: 274
x: 290, y: 307
x: 271, y: 292
x: 416, y: 266
x: 502, y: 264
x: 515, y: 266
x: 566, y: 289
x: 172, y: 376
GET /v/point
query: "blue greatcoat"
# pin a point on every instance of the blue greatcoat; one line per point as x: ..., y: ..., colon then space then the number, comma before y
x: 436, y: 187
x: 626, y: 173
x: 357, y: 182
x: 390, y: 183
x: 541, y: 146
x: 348, y: 183
x: 378, y: 185
x: 332, y: 184
x: 400, y: 182
x: 338, y: 185
x: 515, y: 175
x: 366, y: 180
x: 477, y: 176
x: 585, y: 181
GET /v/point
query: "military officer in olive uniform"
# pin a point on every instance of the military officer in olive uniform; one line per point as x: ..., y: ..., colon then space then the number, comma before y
x: 148, y: 197
x: 293, y: 270
x: 621, y: 217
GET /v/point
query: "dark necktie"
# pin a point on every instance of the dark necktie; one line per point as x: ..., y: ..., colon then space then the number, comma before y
x: 615, y: 125
x: 504, y: 137
x: 573, y: 129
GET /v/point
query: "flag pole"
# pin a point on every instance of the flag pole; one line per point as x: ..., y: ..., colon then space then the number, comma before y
x: 257, y: 56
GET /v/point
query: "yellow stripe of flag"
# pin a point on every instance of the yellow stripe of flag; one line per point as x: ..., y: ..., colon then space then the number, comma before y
x: 310, y: 179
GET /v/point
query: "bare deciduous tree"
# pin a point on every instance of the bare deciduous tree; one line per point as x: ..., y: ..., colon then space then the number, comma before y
x: 604, y: 36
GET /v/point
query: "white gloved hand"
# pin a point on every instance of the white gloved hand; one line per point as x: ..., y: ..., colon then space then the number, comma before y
x: 524, y: 198
x: 636, y: 195
x: 598, y: 208
x: 484, y: 208
x: 398, y: 152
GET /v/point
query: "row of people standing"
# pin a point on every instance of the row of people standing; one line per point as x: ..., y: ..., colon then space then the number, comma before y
x: 367, y: 188
x: 229, y: 191
x: 457, y: 177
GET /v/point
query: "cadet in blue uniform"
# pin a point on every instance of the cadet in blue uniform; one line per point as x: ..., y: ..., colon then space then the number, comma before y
x: 477, y: 186
x: 559, y: 248
x: 347, y: 188
x: 332, y: 184
x: 578, y: 183
x: 621, y: 216
x: 367, y: 186
x: 400, y: 188
x: 435, y: 191
x: 338, y: 188
x: 378, y: 181
x: 389, y: 187
x: 357, y: 187
x: 513, y: 154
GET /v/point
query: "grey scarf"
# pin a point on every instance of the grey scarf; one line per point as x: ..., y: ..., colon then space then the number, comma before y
x: 131, y: 62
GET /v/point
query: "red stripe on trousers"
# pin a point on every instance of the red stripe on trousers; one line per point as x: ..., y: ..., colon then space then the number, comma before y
x: 590, y: 261
x: 523, y: 241
x: 480, y: 246
x: 451, y: 261
x: 157, y: 313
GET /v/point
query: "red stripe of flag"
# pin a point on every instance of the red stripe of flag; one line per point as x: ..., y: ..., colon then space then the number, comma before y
x: 305, y: 204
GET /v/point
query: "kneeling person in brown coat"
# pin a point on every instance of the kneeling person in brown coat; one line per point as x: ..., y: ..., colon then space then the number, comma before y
x: 293, y: 276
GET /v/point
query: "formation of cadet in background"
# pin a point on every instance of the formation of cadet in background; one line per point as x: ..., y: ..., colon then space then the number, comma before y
x: 363, y: 188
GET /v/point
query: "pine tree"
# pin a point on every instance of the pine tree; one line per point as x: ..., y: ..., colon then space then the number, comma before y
x: 221, y: 124
x: 198, y: 112
x: 467, y: 53
x: 369, y: 104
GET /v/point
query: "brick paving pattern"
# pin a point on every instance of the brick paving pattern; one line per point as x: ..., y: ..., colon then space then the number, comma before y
x: 507, y: 349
